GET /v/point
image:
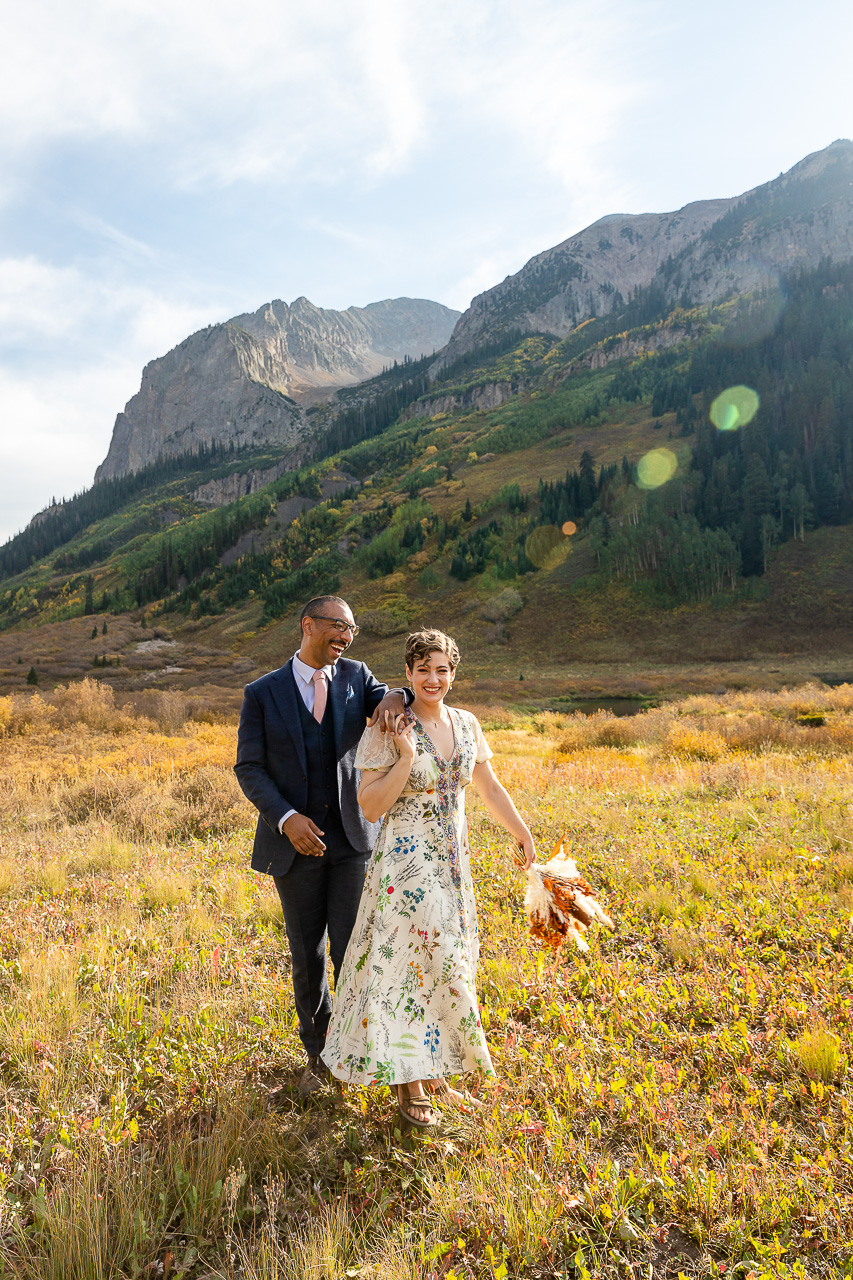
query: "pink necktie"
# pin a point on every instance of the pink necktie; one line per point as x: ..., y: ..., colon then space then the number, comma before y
x: 319, y: 678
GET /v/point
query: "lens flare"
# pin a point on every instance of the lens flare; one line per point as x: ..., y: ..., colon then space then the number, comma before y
x: 569, y: 528
x: 758, y: 317
x: 655, y: 468
x: 546, y: 547
x: 734, y: 407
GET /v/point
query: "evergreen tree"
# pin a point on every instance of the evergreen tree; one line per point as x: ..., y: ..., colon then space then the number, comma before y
x: 32, y: 676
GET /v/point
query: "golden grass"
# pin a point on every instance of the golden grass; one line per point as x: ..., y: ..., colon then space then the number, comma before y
x: 819, y: 1054
x: 678, y: 1099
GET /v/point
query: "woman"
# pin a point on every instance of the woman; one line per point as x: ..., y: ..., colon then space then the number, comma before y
x: 405, y: 1009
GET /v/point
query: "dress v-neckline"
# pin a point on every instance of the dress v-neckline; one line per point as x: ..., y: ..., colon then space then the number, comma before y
x: 444, y: 759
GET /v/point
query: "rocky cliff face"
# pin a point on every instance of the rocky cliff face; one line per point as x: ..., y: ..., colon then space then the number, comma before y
x: 701, y: 253
x: 249, y: 380
x: 489, y: 396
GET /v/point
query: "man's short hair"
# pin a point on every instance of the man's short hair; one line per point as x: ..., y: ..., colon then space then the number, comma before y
x: 316, y: 606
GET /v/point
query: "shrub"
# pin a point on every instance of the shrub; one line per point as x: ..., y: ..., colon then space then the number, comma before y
x: 21, y: 714
x: 384, y: 622
x: 91, y: 703
x: 394, y: 616
x: 171, y: 710
x: 690, y: 743
x: 602, y: 729
x: 574, y: 735
x: 818, y: 1053
x: 503, y: 606
x: 166, y: 889
x: 207, y: 802
x: 659, y: 900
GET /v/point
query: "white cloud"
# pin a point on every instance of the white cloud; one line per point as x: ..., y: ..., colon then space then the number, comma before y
x: 488, y: 271
x: 271, y: 91
x: 72, y: 349
x: 54, y: 430
x: 42, y: 304
x: 324, y: 106
x: 104, y: 231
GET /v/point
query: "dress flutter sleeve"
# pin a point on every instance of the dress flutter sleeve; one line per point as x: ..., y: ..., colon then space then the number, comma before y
x: 376, y: 750
x: 484, y: 751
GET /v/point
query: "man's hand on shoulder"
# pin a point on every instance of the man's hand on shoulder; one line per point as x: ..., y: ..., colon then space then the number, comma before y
x: 304, y: 835
x: 393, y: 702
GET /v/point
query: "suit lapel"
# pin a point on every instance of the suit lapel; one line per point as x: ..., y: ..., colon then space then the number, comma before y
x: 341, y: 690
x: 285, y: 696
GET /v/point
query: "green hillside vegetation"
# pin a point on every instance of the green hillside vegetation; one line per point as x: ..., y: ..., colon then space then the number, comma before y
x: 548, y: 492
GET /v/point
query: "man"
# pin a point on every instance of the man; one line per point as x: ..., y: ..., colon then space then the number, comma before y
x: 299, y: 729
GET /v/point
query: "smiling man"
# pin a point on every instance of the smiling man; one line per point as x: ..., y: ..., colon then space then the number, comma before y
x: 299, y: 728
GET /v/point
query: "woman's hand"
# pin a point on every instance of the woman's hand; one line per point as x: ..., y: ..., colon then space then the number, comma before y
x: 391, y: 705
x: 528, y: 848
x: 380, y: 788
x: 402, y: 727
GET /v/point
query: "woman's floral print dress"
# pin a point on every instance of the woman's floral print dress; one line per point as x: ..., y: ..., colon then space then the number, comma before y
x: 406, y: 1006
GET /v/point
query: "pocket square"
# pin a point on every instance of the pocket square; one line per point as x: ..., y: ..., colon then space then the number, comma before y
x: 350, y: 692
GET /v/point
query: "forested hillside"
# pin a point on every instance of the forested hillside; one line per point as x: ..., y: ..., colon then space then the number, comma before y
x: 677, y: 450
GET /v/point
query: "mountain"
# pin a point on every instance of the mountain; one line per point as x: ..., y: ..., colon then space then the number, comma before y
x: 668, y: 480
x: 706, y: 251
x: 247, y: 382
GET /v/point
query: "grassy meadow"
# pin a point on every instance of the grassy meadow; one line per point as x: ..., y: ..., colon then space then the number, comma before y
x: 678, y: 1101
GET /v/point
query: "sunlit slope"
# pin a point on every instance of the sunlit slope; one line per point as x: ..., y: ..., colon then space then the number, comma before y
x: 551, y: 503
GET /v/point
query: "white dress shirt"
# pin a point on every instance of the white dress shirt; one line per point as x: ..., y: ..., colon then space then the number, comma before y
x: 307, y: 688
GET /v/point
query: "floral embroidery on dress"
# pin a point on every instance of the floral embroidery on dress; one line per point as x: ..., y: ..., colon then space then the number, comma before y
x: 406, y: 1005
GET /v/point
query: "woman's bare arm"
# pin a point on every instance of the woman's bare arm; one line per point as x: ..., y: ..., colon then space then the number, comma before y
x: 499, y: 803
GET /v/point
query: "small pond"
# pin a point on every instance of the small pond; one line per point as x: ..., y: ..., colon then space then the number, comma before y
x: 618, y: 706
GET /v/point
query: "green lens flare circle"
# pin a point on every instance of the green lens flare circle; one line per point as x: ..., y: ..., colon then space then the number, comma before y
x: 655, y: 468
x: 734, y: 407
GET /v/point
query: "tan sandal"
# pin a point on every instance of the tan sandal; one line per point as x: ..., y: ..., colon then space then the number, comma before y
x: 406, y: 1100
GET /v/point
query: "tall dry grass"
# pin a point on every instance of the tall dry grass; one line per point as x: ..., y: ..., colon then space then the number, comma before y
x: 678, y: 1099
x: 810, y: 720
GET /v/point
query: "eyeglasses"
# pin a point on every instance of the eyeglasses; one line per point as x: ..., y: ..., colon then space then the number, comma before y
x: 338, y: 623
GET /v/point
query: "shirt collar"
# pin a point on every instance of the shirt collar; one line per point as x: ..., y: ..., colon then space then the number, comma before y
x: 306, y: 673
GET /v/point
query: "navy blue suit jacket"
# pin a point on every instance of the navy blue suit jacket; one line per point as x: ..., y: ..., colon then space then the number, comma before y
x: 272, y: 766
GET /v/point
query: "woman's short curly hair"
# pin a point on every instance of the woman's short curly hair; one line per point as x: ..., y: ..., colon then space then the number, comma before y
x: 420, y: 644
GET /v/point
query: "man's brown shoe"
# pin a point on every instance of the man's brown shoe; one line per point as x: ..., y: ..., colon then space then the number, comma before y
x: 315, y: 1076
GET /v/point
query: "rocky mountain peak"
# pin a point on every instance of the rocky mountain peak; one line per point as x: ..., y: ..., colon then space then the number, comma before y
x: 705, y: 251
x: 250, y: 379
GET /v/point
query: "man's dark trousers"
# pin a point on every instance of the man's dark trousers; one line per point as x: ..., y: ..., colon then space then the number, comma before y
x: 320, y: 896
x: 285, y: 761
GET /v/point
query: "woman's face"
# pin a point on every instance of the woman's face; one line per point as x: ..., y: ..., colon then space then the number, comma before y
x: 431, y: 677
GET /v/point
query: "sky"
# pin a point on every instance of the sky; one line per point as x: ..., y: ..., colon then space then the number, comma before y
x: 164, y: 166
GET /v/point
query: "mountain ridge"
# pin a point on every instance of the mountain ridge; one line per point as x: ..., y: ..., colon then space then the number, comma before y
x: 249, y: 380
x: 592, y: 273
x: 511, y: 487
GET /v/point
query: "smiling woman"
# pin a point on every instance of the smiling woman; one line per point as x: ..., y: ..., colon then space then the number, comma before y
x: 406, y: 1010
